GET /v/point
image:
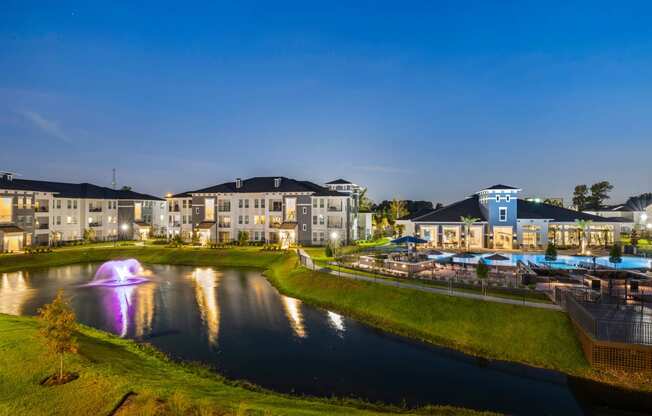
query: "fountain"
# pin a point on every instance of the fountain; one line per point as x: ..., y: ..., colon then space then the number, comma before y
x: 119, y: 273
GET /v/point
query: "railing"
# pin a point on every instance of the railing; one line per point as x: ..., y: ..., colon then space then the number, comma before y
x: 225, y: 208
x: 334, y: 224
x: 175, y: 209
x: 631, y: 332
x: 41, y: 209
x: 224, y: 225
x: 334, y: 209
x: 43, y: 226
x: 95, y: 224
x: 95, y: 209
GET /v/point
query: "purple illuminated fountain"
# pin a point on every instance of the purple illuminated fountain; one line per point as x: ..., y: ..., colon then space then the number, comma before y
x: 119, y: 273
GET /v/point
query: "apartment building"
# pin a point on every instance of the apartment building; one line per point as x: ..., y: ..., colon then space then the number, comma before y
x: 270, y: 209
x: 43, y: 212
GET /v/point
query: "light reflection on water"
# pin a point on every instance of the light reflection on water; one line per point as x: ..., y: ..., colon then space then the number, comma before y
x: 292, y: 308
x: 206, y: 281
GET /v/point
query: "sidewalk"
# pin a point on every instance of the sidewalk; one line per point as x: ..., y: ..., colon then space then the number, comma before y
x: 307, y: 262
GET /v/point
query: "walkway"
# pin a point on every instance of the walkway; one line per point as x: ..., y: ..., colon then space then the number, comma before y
x: 306, y: 260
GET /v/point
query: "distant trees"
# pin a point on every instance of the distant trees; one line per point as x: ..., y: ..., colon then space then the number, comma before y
x: 553, y: 201
x: 364, y: 203
x: 58, y: 328
x: 599, y: 193
x: 580, y: 195
x: 640, y: 202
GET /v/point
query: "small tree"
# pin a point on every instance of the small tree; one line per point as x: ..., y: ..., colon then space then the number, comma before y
x: 633, y: 239
x: 328, y: 251
x: 551, y: 252
x: 243, y: 238
x: 89, y: 235
x: 59, y: 325
x: 615, y: 255
x: 482, y: 270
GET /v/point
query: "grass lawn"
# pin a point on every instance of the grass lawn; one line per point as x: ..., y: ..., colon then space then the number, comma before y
x: 110, y: 367
x: 538, y: 337
x: 233, y: 257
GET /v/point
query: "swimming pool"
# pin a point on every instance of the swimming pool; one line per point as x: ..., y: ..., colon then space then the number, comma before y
x: 562, y: 262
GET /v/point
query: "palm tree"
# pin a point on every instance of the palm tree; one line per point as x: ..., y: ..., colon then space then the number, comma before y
x: 380, y: 223
x: 583, y: 226
x: 468, y: 222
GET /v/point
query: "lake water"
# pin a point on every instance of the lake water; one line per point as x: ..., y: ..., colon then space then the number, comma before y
x: 235, y: 321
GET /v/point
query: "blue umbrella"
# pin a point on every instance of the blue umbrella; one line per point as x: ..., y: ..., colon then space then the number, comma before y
x: 408, y: 239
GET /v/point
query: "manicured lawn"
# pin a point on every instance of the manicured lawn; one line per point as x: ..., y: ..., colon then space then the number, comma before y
x: 232, y: 257
x: 110, y: 367
x: 532, y: 336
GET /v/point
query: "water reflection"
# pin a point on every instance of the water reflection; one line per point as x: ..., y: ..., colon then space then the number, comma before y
x: 14, y: 292
x: 206, y: 283
x: 292, y: 309
x: 336, y: 321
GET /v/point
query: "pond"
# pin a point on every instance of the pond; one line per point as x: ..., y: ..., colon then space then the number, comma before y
x: 235, y: 321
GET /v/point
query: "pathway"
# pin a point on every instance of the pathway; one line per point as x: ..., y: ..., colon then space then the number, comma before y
x: 306, y: 260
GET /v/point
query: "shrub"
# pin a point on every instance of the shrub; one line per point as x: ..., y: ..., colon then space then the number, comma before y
x: 551, y: 252
x: 482, y: 270
x: 615, y: 254
x: 329, y: 251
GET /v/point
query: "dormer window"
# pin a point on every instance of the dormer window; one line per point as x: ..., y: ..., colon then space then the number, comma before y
x: 238, y: 183
x: 497, y: 198
x: 508, y: 198
x: 277, y: 182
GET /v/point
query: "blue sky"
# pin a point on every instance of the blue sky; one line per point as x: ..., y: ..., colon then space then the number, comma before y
x: 421, y: 100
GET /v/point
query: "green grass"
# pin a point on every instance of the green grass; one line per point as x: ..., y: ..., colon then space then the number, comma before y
x: 234, y: 257
x: 538, y: 337
x: 320, y: 259
x: 110, y: 367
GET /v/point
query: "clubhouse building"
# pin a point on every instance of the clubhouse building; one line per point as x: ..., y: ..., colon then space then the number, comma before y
x: 506, y: 222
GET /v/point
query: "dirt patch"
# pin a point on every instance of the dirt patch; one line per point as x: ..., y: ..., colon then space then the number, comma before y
x: 55, y: 380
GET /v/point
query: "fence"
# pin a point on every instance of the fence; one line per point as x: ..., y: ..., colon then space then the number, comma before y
x: 623, y: 344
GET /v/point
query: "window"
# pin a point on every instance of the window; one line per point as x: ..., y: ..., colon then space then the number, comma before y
x: 138, y: 211
x: 58, y: 204
x: 58, y: 220
x: 239, y: 219
x: 28, y: 220
x: 19, y: 202
x: 314, y: 237
x: 304, y: 227
x: 28, y: 202
x: 314, y: 204
x: 246, y: 202
x: 502, y: 214
x: 262, y: 205
x: 255, y: 203
x: 69, y: 204
x: 184, y: 203
x: 305, y: 210
x: 246, y: 218
x: 209, y: 211
x: 497, y: 198
x: 321, y: 220
x: 259, y: 219
x: 508, y: 198
x: 197, y: 210
x: 69, y: 219
x: 240, y: 203
x: 314, y: 220
x: 74, y: 204
x: 321, y: 203
x: 321, y: 237
x: 5, y: 209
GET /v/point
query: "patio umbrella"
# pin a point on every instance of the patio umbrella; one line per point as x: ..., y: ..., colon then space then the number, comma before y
x: 464, y: 256
x: 408, y: 239
x: 435, y: 253
x: 496, y: 257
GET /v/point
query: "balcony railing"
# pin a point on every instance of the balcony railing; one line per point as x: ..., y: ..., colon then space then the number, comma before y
x: 41, y: 209
x: 334, y: 224
x: 95, y: 209
x: 334, y: 209
x: 95, y: 224
x: 174, y: 209
x: 43, y: 226
x: 224, y: 224
x: 225, y: 208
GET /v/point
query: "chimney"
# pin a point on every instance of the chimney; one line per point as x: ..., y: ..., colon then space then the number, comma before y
x: 238, y: 183
x: 277, y: 182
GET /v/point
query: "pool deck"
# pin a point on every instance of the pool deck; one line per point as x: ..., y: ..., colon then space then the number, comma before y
x: 406, y: 285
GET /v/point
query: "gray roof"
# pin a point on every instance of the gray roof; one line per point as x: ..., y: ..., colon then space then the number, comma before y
x: 73, y: 190
x: 339, y: 182
x: 469, y: 207
x: 266, y: 184
x: 499, y: 186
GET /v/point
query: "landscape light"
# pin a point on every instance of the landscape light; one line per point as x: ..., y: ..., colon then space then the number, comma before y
x: 124, y: 227
x: 334, y: 235
x: 649, y: 226
x: 643, y: 217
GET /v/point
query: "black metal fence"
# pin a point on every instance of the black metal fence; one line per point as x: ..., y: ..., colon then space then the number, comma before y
x: 631, y: 331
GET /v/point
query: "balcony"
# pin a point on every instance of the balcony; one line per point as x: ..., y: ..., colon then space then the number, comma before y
x: 175, y: 209
x: 95, y: 209
x: 94, y: 224
x: 42, y: 226
x: 334, y: 208
x: 334, y: 224
x: 41, y: 209
x: 224, y: 225
x: 225, y: 208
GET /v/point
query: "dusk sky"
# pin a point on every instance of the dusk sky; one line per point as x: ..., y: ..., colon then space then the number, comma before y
x: 418, y: 100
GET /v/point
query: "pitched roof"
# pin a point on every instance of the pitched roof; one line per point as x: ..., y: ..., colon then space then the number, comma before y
x: 616, y: 208
x: 339, y: 181
x: 453, y: 212
x: 266, y: 184
x: 540, y: 210
x: 11, y: 229
x: 73, y: 190
x: 498, y: 186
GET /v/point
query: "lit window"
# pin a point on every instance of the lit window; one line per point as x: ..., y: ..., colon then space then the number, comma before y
x: 5, y: 209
